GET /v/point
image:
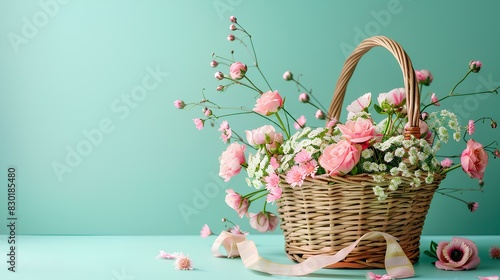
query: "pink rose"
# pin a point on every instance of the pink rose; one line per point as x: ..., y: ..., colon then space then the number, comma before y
x: 474, y: 159
x: 237, y: 202
x: 268, y: 103
x: 340, y: 158
x: 359, y: 131
x: 264, y: 221
x: 237, y: 70
x: 424, y: 77
x: 459, y: 254
x: 475, y: 65
x: 231, y: 161
x: 263, y: 135
x: 179, y: 104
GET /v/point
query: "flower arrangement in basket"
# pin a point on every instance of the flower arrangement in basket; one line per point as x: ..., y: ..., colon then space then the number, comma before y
x: 334, y: 183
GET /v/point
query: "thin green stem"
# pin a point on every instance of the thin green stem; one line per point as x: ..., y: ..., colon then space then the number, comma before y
x: 282, y: 125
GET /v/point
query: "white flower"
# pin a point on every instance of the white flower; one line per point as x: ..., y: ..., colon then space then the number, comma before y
x: 378, y: 178
x: 367, y: 166
x: 399, y: 152
x: 388, y: 157
x: 456, y: 136
x: 367, y: 153
x: 382, y: 167
x: 394, y: 171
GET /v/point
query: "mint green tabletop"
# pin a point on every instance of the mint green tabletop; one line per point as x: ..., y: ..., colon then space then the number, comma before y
x: 135, y: 258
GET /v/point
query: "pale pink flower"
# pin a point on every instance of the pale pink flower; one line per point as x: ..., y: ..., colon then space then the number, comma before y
x: 394, y: 98
x: 288, y: 76
x: 272, y: 186
x: 274, y: 163
x: 331, y: 123
x: 232, y: 27
x: 165, y: 255
x: 237, y: 202
x: 231, y: 37
x: 233, y: 19
x: 424, y: 77
x: 474, y: 159
x: 310, y: 168
x: 302, y: 156
x: 179, y: 104
x: 319, y: 115
x: 475, y: 65
x: 300, y: 123
x: 458, y: 254
x: 372, y: 276
x: 434, y: 99
x: 205, y: 231
x: 295, y: 176
x: 471, y: 127
x: 219, y: 75
x: 263, y: 135
x: 494, y: 252
x: 226, y: 131
x: 359, y: 131
x: 446, y: 162
x: 268, y: 103
x: 232, y: 160
x: 237, y: 70
x: 272, y: 180
x: 360, y: 104
x: 207, y: 112
x: 214, y: 63
x: 183, y: 262
x: 492, y: 277
x: 304, y: 97
x: 340, y: 158
x: 199, y: 123
x: 473, y: 206
x: 264, y: 221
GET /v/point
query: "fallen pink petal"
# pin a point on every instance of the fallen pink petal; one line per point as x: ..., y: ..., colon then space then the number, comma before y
x: 493, y: 277
x: 372, y: 276
x: 165, y: 255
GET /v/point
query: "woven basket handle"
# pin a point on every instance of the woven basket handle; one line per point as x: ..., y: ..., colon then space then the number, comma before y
x: 410, y: 81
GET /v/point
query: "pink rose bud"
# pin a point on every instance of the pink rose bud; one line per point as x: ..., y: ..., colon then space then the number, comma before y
x: 214, y: 63
x: 471, y: 127
x: 230, y: 37
x: 232, y: 19
x: 288, y: 76
x: 232, y: 27
x: 496, y: 153
x: 207, y: 112
x: 220, y: 88
x: 237, y: 70
x: 473, y: 206
x: 424, y: 116
x: 304, y: 97
x: 424, y: 77
x: 320, y: 115
x: 179, y: 104
x: 493, y: 124
x: 446, y: 162
x: 475, y: 65
x: 219, y: 75
x: 434, y: 99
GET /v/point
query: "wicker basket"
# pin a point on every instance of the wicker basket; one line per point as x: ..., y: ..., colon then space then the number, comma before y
x: 327, y: 213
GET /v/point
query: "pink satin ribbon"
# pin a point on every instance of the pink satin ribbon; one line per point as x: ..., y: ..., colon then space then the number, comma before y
x: 397, y: 263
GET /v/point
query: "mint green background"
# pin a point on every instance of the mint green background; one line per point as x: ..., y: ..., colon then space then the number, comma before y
x: 138, y: 177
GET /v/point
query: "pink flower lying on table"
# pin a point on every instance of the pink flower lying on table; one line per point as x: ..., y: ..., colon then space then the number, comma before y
x: 183, y: 262
x: 373, y: 276
x: 459, y: 254
x: 165, y: 255
x: 493, y: 277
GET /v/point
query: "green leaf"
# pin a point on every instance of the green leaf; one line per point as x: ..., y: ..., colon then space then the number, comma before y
x: 379, y: 109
